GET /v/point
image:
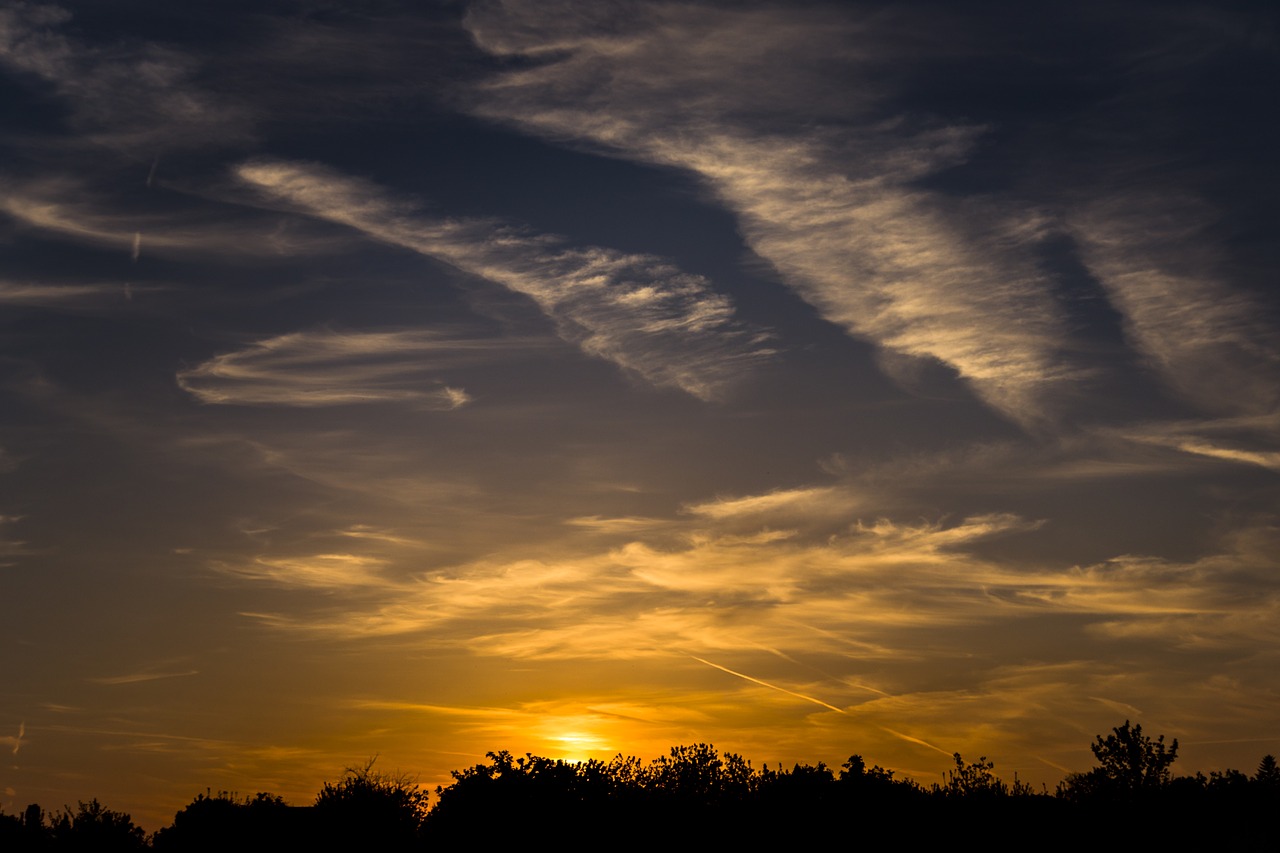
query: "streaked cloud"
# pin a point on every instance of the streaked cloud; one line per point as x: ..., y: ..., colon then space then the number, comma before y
x: 331, y: 572
x: 39, y: 293
x: 827, y: 190
x: 666, y: 326
x: 1245, y: 439
x: 15, y: 742
x: 882, y: 587
x: 79, y: 212
x: 128, y: 95
x: 849, y: 635
x: 1265, y: 459
x: 1209, y: 340
x: 331, y: 368
x: 141, y: 677
x: 786, y: 504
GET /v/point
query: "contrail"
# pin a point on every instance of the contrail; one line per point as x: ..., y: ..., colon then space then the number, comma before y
x: 1052, y: 764
x: 771, y: 686
x: 137, y: 245
x: 868, y: 687
x: 911, y: 739
x: 22, y: 730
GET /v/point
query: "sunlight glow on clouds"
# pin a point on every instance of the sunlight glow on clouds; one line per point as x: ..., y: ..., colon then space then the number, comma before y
x: 773, y: 592
x: 330, y: 368
x: 833, y: 209
x: 1213, y: 343
x: 666, y: 326
x: 75, y: 211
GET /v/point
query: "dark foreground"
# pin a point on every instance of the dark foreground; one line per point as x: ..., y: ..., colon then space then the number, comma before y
x: 697, y: 798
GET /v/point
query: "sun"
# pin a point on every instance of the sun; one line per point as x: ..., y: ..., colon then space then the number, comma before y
x: 576, y: 746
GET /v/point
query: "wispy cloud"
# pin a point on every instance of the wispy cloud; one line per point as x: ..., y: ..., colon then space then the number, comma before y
x: 140, y: 677
x: 1265, y: 459
x: 77, y: 211
x: 1209, y: 340
x: 875, y: 623
x: 329, y: 572
x: 127, y: 95
x: 332, y: 368
x: 880, y: 590
x: 15, y: 742
x: 825, y: 189
x: 44, y: 294
x: 666, y: 326
x: 784, y: 505
x: 1241, y: 439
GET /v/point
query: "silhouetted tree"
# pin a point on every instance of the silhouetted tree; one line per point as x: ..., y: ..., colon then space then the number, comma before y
x: 1129, y: 764
x: 216, y: 822
x: 976, y: 779
x: 1132, y: 760
x: 368, y: 810
x: 1268, y: 774
x: 697, y: 774
x: 93, y: 827
x: 13, y: 833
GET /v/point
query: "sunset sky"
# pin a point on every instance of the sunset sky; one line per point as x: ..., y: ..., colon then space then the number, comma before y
x: 421, y: 379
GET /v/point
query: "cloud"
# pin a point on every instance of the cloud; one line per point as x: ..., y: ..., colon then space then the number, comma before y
x: 128, y: 95
x: 75, y: 211
x: 625, y: 525
x: 1265, y: 459
x: 330, y: 572
x: 1209, y: 340
x: 331, y: 368
x: 10, y: 547
x: 16, y: 741
x: 900, y: 636
x: 880, y: 591
x: 784, y: 504
x: 668, y: 327
x: 141, y: 677
x: 1241, y: 439
x: 43, y: 294
x: 826, y: 189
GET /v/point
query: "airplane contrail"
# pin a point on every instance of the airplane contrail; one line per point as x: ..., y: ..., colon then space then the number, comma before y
x: 22, y: 730
x: 911, y: 739
x: 770, y: 686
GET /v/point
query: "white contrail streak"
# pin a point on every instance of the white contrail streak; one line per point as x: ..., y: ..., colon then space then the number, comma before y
x: 911, y: 739
x: 771, y: 686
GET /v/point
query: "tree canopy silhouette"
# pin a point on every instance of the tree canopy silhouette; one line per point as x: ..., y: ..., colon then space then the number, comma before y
x: 1129, y: 764
x: 708, y: 799
x: 371, y: 810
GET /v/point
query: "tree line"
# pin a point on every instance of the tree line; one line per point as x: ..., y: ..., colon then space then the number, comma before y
x: 696, y: 796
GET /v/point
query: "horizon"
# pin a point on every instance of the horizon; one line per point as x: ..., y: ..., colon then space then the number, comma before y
x: 424, y: 380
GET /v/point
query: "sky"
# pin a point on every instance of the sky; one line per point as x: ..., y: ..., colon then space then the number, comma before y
x: 414, y: 380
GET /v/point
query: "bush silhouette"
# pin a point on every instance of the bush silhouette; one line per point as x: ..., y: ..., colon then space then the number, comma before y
x: 369, y: 810
x: 92, y: 827
x: 1130, y: 764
